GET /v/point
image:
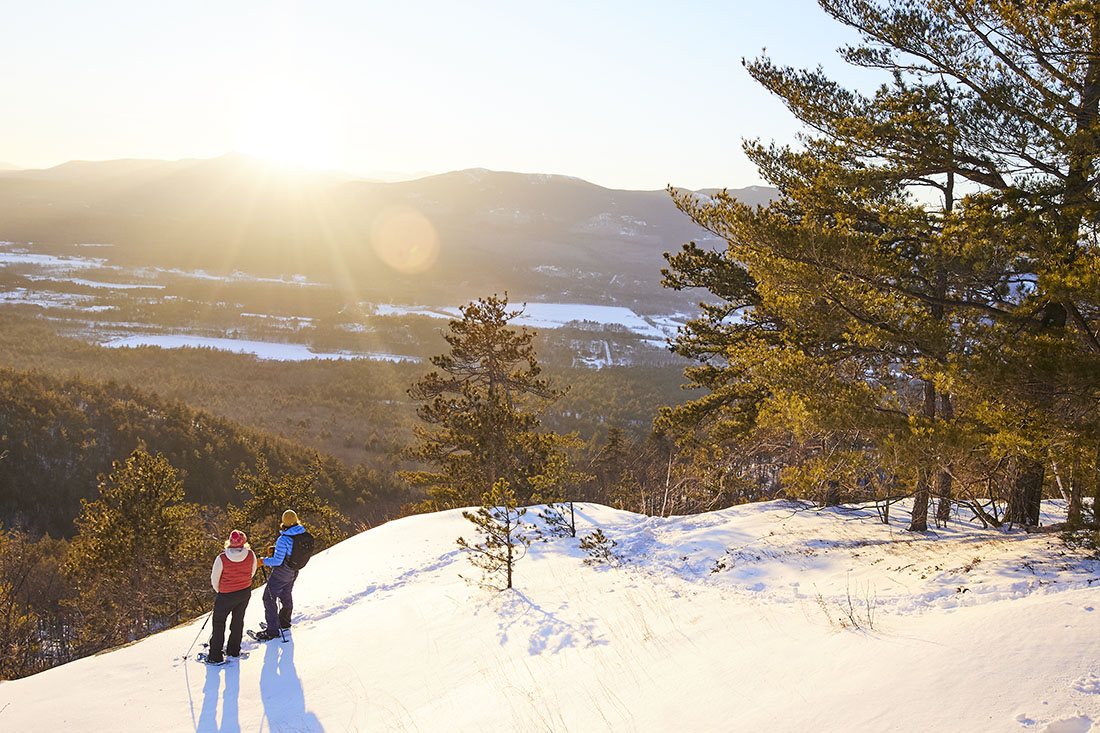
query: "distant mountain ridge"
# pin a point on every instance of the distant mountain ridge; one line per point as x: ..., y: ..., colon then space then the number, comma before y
x: 538, y: 236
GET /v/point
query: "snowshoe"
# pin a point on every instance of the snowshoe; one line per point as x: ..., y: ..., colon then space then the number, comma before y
x: 262, y: 635
x: 202, y: 657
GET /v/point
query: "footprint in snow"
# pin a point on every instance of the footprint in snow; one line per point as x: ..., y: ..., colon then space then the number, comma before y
x: 1089, y: 685
x: 1076, y: 724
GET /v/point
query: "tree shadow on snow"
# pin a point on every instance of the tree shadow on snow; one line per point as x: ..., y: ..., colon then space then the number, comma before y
x: 281, y: 691
x: 548, y: 632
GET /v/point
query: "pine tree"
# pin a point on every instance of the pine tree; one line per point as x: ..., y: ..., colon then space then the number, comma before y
x: 504, y: 543
x: 1026, y: 76
x: 20, y: 644
x: 480, y: 412
x: 141, y: 557
x: 269, y: 496
x: 849, y: 311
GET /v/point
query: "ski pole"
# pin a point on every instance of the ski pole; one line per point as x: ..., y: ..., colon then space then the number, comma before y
x: 198, y: 634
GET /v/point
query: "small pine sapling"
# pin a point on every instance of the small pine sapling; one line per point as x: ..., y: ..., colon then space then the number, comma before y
x: 499, y: 521
x: 600, y: 549
x: 556, y: 521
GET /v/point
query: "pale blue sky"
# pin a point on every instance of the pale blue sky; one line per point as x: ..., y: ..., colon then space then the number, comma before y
x: 624, y: 94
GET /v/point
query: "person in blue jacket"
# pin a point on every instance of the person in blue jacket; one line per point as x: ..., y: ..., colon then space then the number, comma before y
x: 280, y: 583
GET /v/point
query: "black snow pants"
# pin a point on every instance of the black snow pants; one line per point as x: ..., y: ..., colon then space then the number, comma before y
x: 225, y: 604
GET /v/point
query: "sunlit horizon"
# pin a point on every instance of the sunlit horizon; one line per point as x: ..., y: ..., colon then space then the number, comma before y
x: 624, y: 95
x: 290, y: 164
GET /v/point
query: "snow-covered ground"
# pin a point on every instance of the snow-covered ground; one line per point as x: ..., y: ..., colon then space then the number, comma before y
x: 260, y: 349
x: 763, y: 617
x: 556, y: 315
x: 22, y: 256
x: 51, y: 275
x: 47, y: 299
x: 97, y: 283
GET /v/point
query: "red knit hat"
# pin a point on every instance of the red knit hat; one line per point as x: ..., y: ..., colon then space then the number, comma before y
x: 237, y: 538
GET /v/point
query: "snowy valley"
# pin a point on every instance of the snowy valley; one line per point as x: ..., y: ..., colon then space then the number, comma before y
x: 116, y: 305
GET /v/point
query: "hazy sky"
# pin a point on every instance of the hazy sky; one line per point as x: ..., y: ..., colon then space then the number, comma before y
x: 629, y: 94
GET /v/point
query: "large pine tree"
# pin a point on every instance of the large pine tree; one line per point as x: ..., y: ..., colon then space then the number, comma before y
x: 480, y: 412
x: 851, y: 310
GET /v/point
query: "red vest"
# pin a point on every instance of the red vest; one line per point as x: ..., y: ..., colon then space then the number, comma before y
x: 236, y: 575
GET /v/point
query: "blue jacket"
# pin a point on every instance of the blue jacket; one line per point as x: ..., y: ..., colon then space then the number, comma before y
x: 283, y: 545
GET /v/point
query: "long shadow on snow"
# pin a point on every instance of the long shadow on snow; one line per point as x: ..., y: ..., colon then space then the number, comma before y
x: 281, y: 691
x: 549, y: 633
x: 208, y: 717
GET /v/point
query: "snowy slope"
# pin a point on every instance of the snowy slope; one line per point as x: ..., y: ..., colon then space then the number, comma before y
x: 737, y: 620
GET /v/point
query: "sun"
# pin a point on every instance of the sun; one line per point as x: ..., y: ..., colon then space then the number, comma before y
x: 285, y: 125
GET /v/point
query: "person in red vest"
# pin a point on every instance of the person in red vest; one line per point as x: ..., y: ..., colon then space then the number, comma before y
x: 231, y: 577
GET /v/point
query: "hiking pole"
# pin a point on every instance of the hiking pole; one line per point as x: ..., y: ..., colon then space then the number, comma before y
x: 198, y: 634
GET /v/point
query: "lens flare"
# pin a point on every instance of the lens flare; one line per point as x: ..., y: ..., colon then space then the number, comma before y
x: 405, y: 240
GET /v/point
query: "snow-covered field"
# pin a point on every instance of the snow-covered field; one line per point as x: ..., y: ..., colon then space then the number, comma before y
x: 47, y: 278
x: 260, y: 349
x: 556, y: 315
x: 763, y: 617
x: 22, y: 256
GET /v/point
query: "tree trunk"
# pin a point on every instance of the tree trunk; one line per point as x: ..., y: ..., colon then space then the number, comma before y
x: 1025, y: 500
x: 919, y: 522
x: 1096, y: 503
x: 1073, y: 513
x: 943, y: 480
x: 508, y: 540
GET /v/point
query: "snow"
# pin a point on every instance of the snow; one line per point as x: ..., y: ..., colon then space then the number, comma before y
x: 261, y: 349
x: 557, y: 315
x: 235, y: 277
x: 97, y: 283
x: 23, y: 257
x: 45, y: 299
x: 281, y: 319
x: 670, y: 324
x: 385, y: 309
x: 61, y: 269
x: 608, y: 223
x: 521, y: 217
x: 732, y: 620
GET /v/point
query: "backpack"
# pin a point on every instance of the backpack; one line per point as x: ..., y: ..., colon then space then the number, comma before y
x: 300, y: 552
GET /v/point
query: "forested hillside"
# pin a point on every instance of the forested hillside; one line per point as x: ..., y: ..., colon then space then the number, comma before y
x: 216, y: 410
x: 60, y: 435
x: 357, y: 410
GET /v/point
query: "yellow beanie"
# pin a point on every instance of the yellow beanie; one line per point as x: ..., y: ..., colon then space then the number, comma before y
x: 289, y: 518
